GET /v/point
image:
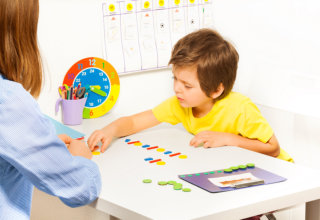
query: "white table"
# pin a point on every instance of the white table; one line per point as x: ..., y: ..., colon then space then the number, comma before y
x: 124, y: 195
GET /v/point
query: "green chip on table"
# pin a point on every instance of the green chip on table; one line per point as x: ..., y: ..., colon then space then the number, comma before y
x: 147, y: 181
x: 171, y: 182
x: 177, y: 186
x: 228, y: 170
x: 162, y: 183
x: 250, y: 165
x: 186, y: 190
x: 234, y: 168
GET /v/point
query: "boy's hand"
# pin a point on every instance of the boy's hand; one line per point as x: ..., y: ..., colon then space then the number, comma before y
x: 210, y: 139
x: 79, y: 148
x: 100, y: 135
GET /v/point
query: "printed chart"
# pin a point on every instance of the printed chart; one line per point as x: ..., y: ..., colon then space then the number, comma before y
x: 139, y: 34
x: 232, y: 178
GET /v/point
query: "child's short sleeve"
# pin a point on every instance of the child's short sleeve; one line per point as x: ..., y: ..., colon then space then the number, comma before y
x: 253, y: 125
x: 168, y: 111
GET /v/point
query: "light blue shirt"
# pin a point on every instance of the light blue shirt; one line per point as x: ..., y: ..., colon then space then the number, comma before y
x: 31, y: 154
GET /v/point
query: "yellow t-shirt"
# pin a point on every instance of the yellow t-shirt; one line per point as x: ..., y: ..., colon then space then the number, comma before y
x: 235, y: 114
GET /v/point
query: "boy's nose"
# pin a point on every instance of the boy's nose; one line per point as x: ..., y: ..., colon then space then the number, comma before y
x: 177, y: 87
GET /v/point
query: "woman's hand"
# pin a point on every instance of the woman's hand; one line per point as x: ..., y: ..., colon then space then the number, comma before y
x: 79, y: 148
x: 66, y: 139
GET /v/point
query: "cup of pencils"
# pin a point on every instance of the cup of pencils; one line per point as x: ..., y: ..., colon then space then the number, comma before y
x: 72, y: 101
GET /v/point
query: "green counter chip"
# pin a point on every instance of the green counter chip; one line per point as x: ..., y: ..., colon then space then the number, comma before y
x: 177, y: 186
x: 162, y: 183
x: 147, y: 181
x: 234, y: 168
x: 171, y: 182
x: 228, y: 170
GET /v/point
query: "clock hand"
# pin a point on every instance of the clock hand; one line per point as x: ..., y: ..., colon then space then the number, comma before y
x: 97, y: 86
x: 98, y: 91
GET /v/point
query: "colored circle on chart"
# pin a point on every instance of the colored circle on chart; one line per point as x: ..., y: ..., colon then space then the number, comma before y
x: 112, y: 7
x: 191, y: 1
x: 129, y: 6
x: 161, y: 3
x: 177, y: 2
x: 101, y: 82
x: 146, y: 4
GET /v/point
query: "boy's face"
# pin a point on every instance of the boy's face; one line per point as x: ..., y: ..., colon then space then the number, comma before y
x: 187, y: 87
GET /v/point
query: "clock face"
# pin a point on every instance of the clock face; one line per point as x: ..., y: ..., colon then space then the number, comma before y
x: 101, y: 82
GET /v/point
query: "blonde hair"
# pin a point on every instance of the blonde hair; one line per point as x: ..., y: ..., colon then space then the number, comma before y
x: 20, y: 59
x: 215, y: 58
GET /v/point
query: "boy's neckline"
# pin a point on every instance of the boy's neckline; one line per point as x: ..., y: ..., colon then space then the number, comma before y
x: 202, y: 115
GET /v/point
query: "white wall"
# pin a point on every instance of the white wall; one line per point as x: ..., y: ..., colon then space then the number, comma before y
x: 279, y: 46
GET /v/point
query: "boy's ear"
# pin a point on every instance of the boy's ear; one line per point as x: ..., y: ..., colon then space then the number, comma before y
x: 218, y: 92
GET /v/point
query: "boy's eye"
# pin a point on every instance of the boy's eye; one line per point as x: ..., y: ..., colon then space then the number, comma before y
x: 188, y: 86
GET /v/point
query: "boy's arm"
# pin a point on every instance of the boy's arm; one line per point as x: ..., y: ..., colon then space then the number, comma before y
x: 270, y: 148
x: 219, y: 139
x: 122, y: 127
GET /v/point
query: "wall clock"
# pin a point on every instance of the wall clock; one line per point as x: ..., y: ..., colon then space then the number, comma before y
x: 101, y: 82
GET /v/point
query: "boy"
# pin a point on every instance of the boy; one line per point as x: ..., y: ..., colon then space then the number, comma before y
x: 204, y: 71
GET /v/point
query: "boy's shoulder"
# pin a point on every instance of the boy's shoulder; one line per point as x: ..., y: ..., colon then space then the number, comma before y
x: 234, y: 104
x: 236, y: 98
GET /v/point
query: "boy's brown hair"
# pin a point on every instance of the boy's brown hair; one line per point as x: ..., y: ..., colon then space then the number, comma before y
x: 19, y: 54
x: 216, y: 60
